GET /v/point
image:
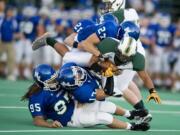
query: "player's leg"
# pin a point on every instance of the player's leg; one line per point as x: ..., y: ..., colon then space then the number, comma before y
x: 11, y: 63
x: 109, y: 107
x: 132, y: 86
x: 57, y: 59
x: 45, y: 39
x: 168, y: 79
x: 156, y: 66
x: 79, y: 57
x: 121, y: 85
x: 28, y: 59
x: 133, y: 96
x: 62, y: 49
x: 117, y: 124
x: 19, y: 48
x: 82, y: 117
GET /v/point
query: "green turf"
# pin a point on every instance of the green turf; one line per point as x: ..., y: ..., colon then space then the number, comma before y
x: 19, y: 119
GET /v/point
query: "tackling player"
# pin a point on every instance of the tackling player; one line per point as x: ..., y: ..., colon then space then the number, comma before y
x: 48, y: 101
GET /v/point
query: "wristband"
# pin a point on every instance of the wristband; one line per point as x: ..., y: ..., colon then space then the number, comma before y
x: 75, y: 44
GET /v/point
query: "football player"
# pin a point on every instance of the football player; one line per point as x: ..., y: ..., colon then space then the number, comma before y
x: 27, y: 24
x: 117, y: 8
x: 164, y: 34
x: 48, y: 101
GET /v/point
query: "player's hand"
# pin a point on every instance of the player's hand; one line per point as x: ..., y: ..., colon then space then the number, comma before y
x: 108, y: 72
x: 108, y: 68
x: 154, y: 95
x: 56, y: 124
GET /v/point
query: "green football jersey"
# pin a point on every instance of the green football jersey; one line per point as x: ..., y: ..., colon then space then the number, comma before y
x: 119, y: 14
x: 126, y: 14
x: 109, y: 46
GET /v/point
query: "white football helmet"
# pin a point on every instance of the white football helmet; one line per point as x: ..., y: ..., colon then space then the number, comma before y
x: 128, y: 46
x: 114, y: 5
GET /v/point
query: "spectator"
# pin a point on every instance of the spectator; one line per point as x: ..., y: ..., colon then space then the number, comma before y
x: 147, y: 38
x: 8, y: 30
x: 27, y: 22
x: 2, y: 67
x: 176, y: 69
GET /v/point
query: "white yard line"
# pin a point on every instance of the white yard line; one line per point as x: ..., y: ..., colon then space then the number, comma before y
x: 10, y: 95
x: 83, y: 130
x: 13, y: 107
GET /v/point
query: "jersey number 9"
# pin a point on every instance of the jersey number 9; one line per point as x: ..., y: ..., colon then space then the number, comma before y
x: 60, y: 107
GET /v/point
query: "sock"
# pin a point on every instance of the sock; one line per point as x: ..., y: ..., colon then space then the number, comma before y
x: 139, y: 105
x: 51, y: 41
x: 128, y: 126
x: 127, y: 114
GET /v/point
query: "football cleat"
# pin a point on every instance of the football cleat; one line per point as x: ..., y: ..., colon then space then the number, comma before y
x: 144, y: 119
x: 138, y: 113
x: 141, y: 116
x: 40, y: 41
x: 140, y: 126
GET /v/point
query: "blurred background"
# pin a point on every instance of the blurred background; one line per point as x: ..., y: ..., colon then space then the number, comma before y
x: 22, y: 21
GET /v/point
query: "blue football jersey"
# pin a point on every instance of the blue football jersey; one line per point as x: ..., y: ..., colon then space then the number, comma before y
x: 87, y: 92
x: 85, y: 33
x: 28, y: 27
x: 107, y: 29
x: 54, y: 105
x: 83, y: 24
x: 147, y: 33
x: 164, y: 36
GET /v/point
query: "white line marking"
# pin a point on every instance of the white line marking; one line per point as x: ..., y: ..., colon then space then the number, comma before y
x: 13, y: 107
x: 152, y: 111
x: 164, y: 112
x: 83, y: 130
x: 10, y: 95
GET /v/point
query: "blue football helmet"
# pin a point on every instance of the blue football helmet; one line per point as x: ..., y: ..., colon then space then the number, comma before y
x: 46, y: 77
x: 108, y: 17
x: 131, y: 29
x: 83, y: 24
x: 71, y: 76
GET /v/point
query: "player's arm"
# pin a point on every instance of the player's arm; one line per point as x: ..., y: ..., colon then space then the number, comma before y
x: 89, y: 44
x: 138, y: 62
x: 70, y: 39
x: 37, y: 111
x: 88, y: 94
x: 149, y: 84
x: 40, y: 121
x: 100, y: 94
x: 146, y: 79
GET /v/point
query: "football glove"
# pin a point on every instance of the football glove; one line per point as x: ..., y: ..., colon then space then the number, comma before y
x: 108, y: 68
x: 154, y: 95
x: 108, y: 72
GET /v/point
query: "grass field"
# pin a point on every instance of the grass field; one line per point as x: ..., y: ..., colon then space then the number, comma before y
x: 15, y: 118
